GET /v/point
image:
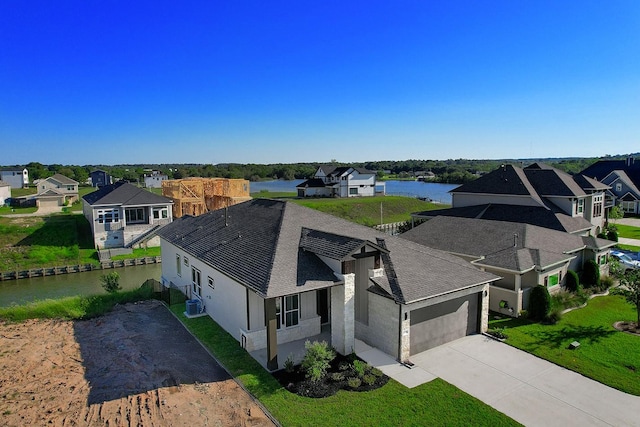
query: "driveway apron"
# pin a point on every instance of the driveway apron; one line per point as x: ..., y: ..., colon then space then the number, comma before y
x: 530, y: 390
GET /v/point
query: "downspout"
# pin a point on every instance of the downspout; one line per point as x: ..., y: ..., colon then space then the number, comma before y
x: 399, y: 332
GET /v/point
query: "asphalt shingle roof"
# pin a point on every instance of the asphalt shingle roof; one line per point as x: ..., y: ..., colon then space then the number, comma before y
x: 124, y: 194
x: 261, y: 243
x: 62, y: 179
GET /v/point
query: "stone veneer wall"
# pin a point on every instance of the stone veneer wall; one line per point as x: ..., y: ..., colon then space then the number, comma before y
x: 257, y: 339
x: 342, y: 314
x: 382, y: 330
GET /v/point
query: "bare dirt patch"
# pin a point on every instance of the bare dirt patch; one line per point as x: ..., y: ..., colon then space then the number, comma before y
x: 135, y: 366
x: 630, y: 327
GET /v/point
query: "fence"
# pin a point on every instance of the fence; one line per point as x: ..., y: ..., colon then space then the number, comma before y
x: 81, y: 268
x: 392, y: 228
x: 171, y: 294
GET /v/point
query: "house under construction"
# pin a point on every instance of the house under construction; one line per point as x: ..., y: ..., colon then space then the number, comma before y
x: 195, y: 196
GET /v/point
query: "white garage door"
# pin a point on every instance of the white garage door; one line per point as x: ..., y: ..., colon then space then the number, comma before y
x: 438, y: 324
x: 48, y: 203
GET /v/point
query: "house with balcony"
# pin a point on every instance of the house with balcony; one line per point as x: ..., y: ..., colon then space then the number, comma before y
x: 343, y: 181
x: 537, y: 194
x: 272, y: 272
x: 123, y: 216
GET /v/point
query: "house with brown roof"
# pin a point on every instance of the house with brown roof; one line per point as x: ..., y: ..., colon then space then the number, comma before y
x: 343, y: 181
x: 273, y: 272
x: 124, y: 216
x: 537, y: 194
x: 524, y: 255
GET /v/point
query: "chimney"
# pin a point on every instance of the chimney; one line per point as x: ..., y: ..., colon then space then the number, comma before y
x: 629, y: 161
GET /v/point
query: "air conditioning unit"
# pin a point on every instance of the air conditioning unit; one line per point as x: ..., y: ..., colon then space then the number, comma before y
x: 192, y: 307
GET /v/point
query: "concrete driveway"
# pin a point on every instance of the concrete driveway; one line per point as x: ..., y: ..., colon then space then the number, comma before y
x: 530, y: 390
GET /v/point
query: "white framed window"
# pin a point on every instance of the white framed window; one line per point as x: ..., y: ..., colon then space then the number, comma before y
x: 186, y: 261
x: 628, y: 207
x: 353, y: 190
x: 211, y: 282
x: 618, y: 187
x: 108, y: 215
x: 134, y: 215
x: 196, y: 281
x: 288, y: 311
x: 602, y: 259
x: 597, y: 205
x: 553, y: 279
x: 579, y: 206
x: 160, y: 213
x: 178, y: 265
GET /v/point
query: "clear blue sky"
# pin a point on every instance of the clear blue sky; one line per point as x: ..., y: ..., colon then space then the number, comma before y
x: 108, y: 82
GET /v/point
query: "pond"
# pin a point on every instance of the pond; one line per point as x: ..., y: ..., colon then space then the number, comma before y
x: 27, y: 290
x: 433, y: 190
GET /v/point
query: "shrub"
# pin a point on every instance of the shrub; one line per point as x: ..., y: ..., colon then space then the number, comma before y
x: 337, y: 376
x: 539, y: 303
x: 111, y: 282
x: 591, y: 274
x: 376, y: 372
x: 359, y: 367
x: 288, y: 364
x: 498, y: 332
x: 354, y: 382
x: 572, y: 282
x: 369, y: 379
x: 317, y: 359
x: 607, y: 282
x: 612, y: 235
x: 554, y: 316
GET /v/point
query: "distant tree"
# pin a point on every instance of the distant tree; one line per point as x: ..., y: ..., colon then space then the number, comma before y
x: 111, y: 282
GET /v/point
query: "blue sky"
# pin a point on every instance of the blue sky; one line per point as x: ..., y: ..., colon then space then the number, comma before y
x: 91, y: 82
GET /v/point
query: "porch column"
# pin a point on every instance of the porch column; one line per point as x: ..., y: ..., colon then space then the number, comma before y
x: 518, y: 289
x: 272, y: 338
x: 343, y: 315
x: 484, y: 308
x: 405, y: 334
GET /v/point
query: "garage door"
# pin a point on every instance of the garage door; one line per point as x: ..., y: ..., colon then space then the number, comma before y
x: 48, y: 203
x: 438, y: 324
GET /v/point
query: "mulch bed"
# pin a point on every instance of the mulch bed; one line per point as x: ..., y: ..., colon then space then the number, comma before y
x: 337, y: 378
x: 630, y: 327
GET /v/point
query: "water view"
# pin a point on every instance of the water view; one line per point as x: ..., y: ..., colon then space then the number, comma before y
x: 434, y: 191
x: 64, y: 285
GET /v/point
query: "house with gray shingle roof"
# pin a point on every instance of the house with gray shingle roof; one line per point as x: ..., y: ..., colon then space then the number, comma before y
x: 343, y: 181
x: 56, y: 190
x: 15, y: 176
x: 523, y: 255
x: 623, y: 178
x: 272, y: 272
x: 538, y: 195
x: 123, y: 215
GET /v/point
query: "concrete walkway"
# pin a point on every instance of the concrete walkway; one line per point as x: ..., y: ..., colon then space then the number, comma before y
x: 530, y: 390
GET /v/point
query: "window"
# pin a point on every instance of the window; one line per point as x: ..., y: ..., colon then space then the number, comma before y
x: 210, y: 282
x: 70, y: 188
x: 628, y: 207
x: 160, y: 213
x: 602, y: 259
x: 186, y: 261
x: 353, y: 190
x: 552, y: 280
x: 288, y: 311
x: 580, y: 206
x: 134, y: 215
x: 597, y: 205
x: 618, y: 187
x: 178, y: 265
x: 108, y: 215
x: 195, y: 281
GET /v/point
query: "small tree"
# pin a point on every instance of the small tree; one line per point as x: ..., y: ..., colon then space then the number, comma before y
x: 572, y: 282
x: 630, y: 289
x: 317, y: 359
x: 111, y: 282
x: 591, y: 274
x: 615, y: 213
x: 539, y: 303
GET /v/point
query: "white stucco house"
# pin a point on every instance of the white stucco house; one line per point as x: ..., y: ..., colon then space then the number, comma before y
x: 56, y: 190
x: 154, y: 179
x: 271, y: 272
x: 344, y: 181
x: 523, y: 255
x: 15, y: 176
x: 123, y: 215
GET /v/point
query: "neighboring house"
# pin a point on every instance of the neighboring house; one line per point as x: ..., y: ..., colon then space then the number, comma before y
x: 123, y: 215
x: 56, y: 190
x: 538, y: 195
x: 154, y: 179
x: 623, y: 178
x: 344, y: 181
x: 16, y: 177
x: 523, y: 255
x: 100, y: 178
x: 5, y: 193
x: 271, y: 272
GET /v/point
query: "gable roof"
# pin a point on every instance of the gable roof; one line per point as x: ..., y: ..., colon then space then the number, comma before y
x: 600, y: 169
x: 272, y: 247
x: 507, y: 245
x: 330, y: 170
x: 124, y: 194
x: 550, y: 217
x: 61, y: 179
x: 624, y: 177
x: 311, y: 183
x: 549, y: 181
x: 507, y: 179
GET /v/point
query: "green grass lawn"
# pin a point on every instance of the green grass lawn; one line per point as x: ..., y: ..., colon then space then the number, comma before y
x: 366, y: 210
x: 19, y: 192
x: 628, y: 231
x: 629, y: 247
x: 605, y: 354
x: 264, y: 194
x: 34, y: 242
x: 8, y: 210
x: 435, y: 403
x: 140, y: 253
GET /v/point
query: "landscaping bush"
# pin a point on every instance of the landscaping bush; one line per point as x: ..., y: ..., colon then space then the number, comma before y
x: 317, y: 359
x: 572, y: 282
x: 612, y: 235
x: 111, y: 282
x: 539, y: 303
x: 607, y: 282
x: 591, y: 274
x: 554, y: 316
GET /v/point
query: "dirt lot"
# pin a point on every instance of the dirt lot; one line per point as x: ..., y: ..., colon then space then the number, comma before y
x: 135, y: 366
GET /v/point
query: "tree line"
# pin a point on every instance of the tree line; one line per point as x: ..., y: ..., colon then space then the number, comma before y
x: 454, y: 171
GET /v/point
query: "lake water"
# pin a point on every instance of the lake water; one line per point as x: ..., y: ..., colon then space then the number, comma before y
x: 64, y: 285
x: 435, y: 191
